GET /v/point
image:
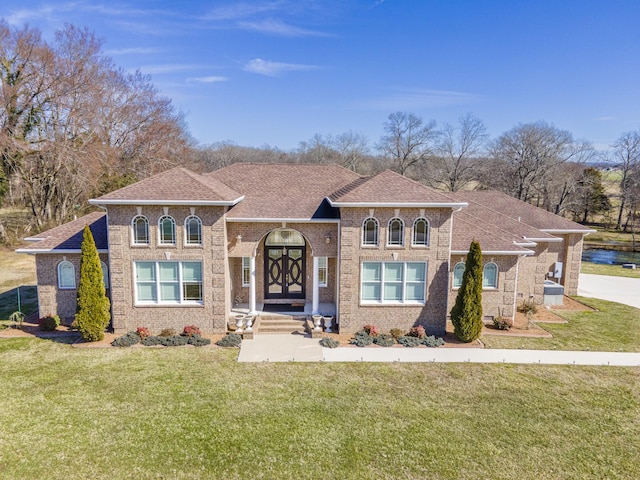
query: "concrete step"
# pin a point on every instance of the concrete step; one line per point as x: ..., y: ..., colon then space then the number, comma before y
x: 281, y: 324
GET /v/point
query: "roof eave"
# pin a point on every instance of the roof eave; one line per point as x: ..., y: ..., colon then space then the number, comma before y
x: 280, y: 220
x: 33, y: 251
x: 546, y: 239
x: 205, y: 203
x: 583, y: 231
x: 398, y: 204
x: 496, y: 252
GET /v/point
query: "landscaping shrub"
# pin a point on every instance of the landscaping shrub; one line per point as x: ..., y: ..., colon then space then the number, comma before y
x: 191, y: 330
x: 329, y: 342
x: 407, y: 341
x: 362, y: 339
x: 49, y: 323
x: 396, y: 333
x: 230, y: 340
x: 466, y: 314
x: 198, y: 341
x: 167, y: 332
x: 502, y: 323
x: 384, y: 340
x: 92, y: 305
x: 371, y: 330
x: 417, y: 331
x: 143, y: 332
x: 126, y: 340
x: 175, y: 341
x: 528, y: 307
x: 432, y: 341
x: 152, y: 341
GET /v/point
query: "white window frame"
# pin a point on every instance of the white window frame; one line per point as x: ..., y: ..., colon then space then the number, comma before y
x: 400, y: 241
x: 187, y: 238
x: 105, y: 274
x: 484, y: 276
x: 246, y: 271
x: 161, y: 239
x: 414, y: 241
x: 382, y: 281
x: 457, y: 282
x: 157, y: 282
x: 376, y: 233
x: 323, y: 271
x: 134, y: 232
x: 66, y: 264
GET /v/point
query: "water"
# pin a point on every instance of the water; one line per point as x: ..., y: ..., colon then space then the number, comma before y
x: 609, y: 257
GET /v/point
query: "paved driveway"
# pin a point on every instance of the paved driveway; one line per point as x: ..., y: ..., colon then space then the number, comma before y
x: 616, y: 289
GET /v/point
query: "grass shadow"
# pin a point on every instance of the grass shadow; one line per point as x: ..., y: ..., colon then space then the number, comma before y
x: 25, y: 295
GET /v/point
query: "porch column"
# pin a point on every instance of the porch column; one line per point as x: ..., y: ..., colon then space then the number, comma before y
x: 316, y: 288
x: 252, y: 285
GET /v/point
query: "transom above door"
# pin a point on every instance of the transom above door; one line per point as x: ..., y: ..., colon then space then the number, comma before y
x: 284, y: 268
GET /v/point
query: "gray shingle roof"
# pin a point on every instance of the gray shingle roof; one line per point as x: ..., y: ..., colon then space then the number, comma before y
x: 68, y: 237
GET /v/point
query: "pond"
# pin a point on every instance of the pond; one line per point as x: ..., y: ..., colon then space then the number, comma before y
x: 609, y: 257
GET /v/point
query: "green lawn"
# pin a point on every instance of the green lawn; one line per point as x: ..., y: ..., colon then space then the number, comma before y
x: 613, y: 327
x: 611, y: 270
x: 196, y: 413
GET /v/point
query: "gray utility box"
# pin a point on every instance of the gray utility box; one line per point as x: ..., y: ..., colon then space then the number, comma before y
x: 553, y: 293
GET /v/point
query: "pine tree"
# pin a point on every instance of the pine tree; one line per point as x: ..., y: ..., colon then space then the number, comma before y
x: 92, y: 310
x: 466, y: 314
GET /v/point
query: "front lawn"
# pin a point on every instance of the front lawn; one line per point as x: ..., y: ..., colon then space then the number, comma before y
x: 611, y: 270
x: 196, y: 413
x: 613, y: 327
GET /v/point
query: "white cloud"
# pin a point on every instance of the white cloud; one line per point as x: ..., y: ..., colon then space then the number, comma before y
x: 240, y: 10
x: 18, y: 18
x: 209, y: 79
x: 167, y: 68
x: 273, y: 69
x: 131, y: 51
x: 275, y: 26
x: 413, y: 98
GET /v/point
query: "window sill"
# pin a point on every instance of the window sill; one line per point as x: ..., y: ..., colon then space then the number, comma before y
x: 166, y: 245
x: 392, y: 304
x: 193, y: 245
x: 420, y: 247
x: 370, y: 247
x: 394, y: 247
x: 171, y: 305
x: 140, y: 245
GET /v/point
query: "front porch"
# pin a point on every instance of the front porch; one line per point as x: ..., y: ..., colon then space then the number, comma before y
x: 284, y: 317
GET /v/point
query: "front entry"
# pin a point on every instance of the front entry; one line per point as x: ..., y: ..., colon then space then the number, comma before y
x: 284, y: 268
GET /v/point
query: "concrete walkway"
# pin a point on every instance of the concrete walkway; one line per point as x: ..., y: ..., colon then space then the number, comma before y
x: 298, y: 348
x: 615, y: 289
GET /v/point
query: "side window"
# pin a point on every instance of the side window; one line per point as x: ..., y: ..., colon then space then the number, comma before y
x: 421, y: 232
x: 458, y: 272
x: 105, y: 274
x: 167, y: 230
x: 490, y: 275
x: 140, y: 229
x: 66, y: 275
x: 246, y: 271
x: 395, y: 234
x: 323, y: 272
x: 193, y: 230
x: 370, y: 229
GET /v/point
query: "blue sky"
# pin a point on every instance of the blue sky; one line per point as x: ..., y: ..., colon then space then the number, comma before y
x: 276, y: 72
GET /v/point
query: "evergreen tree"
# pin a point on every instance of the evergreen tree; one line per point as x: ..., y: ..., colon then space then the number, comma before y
x: 466, y: 314
x: 92, y: 310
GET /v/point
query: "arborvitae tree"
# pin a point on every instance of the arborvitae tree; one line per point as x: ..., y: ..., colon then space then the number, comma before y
x: 466, y: 314
x: 92, y: 310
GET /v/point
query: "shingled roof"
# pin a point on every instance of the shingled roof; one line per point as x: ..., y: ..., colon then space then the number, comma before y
x: 283, y: 191
x: 68, y: 237
x: 492, y: 239
x: 177, y: 186
x: 390, y: 189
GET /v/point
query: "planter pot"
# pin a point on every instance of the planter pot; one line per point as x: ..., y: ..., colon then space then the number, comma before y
x: 317, y: 320
x: 327, y: 324
x: 249, y: 321
x: 239, y: 323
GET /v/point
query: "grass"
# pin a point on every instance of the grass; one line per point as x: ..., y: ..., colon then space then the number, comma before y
x: 613, y: 327
x: 17, y: 270
x: 611, y: 236
x: 611, y: 270
x: 187, y: 413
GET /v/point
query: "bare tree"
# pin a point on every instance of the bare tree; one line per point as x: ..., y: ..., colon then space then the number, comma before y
x: 408, y: 141
x: 626, y: 157
x: 452, y: 168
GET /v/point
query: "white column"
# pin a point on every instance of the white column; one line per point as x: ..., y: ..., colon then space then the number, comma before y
x: 315, y: 303
x: 252, y: 285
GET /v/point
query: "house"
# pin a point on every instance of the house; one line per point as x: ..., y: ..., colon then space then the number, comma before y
x: 183, y: 248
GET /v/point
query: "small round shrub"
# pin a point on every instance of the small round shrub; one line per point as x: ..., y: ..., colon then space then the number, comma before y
x: 329, y: 342
x: 362, y: 339
x: 528, y: 307
x: 152, y: 341
x: 417, y: 331
x: 198, y: 341
x: 384, y: 340
x: 191, y: 330
x: 371, y: 330
x: 126, y: 340
x: 432, y: 341
x: 175, y: 341
x: 230, y: 340
x: 407, y: 341
x: 167, y: 332
x: 502, y: 323
x: 396, y: 333
x: 143, y: 332
x: 49, y: 323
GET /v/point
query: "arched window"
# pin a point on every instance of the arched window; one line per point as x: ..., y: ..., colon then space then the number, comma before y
x: 193, y: 230
x: 458, y: 272
x: 490, y: 275
x: 66, y: 275
x: 395, y: 232
x: 105, y: 274
x: 421, y: 232
x: 140, y: 229
x: 167, y: 230
x: 370, y: 229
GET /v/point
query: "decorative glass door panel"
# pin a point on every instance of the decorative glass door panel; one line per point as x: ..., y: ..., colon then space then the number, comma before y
x: 284, y: 272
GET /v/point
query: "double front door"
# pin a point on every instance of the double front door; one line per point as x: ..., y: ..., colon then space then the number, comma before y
x: 284, y: 272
